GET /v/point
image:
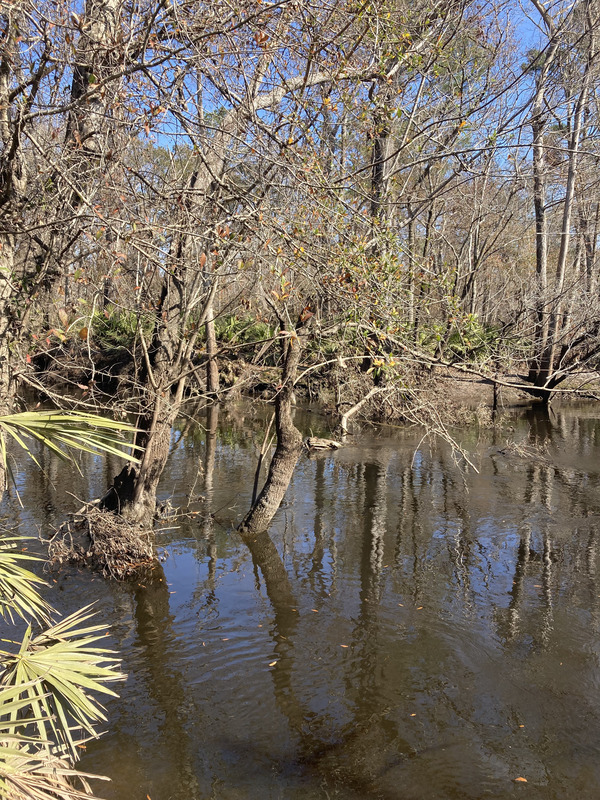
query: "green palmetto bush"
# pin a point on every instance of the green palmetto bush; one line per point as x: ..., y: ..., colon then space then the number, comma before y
x: 51, y: 678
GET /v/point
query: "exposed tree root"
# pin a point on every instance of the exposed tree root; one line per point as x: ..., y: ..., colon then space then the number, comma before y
x: 104, y: 542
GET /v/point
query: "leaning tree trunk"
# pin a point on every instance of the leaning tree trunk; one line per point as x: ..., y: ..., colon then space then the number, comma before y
x: 287, y: 451
x: 13, y: 183
x: 167, y: 362
x: 133, y: 492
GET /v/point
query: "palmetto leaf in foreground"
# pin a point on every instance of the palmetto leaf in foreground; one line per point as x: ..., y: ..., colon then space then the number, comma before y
x: 58, y: 670
x: 18, y: 585
x: 76, y: 431
x: 28, y: 771
x: 47, y: 686
x: 29, y: 777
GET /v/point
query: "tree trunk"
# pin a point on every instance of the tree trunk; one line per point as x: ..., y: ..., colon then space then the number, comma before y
x: 380, y: 135
x: 541, y: 244
x: 7, y: 296
x: 133, y: 492
x: 212, y: 367
x: 7, y: 388
x: 13, y: 182
x: 538, y: 128
x: 289, y: 446
x: 88, y: 124
x: 412, y: 262
x: 547, y: 360
x: 167, y: 363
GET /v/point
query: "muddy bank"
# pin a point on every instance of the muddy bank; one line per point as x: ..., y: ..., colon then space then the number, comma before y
x: 108, y: 375
x: 463, y: 388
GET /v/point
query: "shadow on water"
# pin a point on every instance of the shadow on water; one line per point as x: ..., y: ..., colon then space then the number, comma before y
x: 408, y: 629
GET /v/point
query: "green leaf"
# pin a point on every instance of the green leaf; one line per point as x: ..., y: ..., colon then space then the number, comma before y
x: 18, y: 592
x: 76, y: 431
x: 57, y: 671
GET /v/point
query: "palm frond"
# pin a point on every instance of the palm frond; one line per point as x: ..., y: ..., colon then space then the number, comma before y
x: 75, y: 431
x: 14, y: 708
x: 35, y: 776
x: 47, y: 686
x: 57, y: 670
x: 18, y: 585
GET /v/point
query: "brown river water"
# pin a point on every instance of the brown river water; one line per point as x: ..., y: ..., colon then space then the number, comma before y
x: 411, y: 628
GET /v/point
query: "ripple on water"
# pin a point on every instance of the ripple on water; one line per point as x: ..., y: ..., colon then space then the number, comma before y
x: 443, y: 637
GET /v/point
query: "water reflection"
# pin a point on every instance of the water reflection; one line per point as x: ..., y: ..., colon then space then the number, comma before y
x: 407, y: 630
x: 165, y: 688
x: 207, y: 525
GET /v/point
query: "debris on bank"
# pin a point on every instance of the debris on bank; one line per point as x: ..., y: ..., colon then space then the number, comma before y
x: 104, y: 542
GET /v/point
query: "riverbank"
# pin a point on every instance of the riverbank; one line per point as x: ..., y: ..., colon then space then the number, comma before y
x: 109, y: 377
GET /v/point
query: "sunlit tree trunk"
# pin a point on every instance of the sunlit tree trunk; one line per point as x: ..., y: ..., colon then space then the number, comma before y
x: 212, y: 367
x: 547, y: 360
x: 539, y: 124
x: 380, y: 150
x: 289, y: 445
x: 13, y: 181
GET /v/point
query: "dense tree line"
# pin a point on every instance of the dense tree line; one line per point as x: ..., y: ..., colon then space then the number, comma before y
x: 367, y: 188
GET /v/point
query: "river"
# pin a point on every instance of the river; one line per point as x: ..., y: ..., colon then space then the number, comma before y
x: 413, y: 628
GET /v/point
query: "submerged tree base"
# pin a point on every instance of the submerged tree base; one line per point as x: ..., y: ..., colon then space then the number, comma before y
x: 104, y: 542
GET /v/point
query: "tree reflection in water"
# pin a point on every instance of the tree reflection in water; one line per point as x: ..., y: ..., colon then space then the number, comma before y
x: 390, y: 637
